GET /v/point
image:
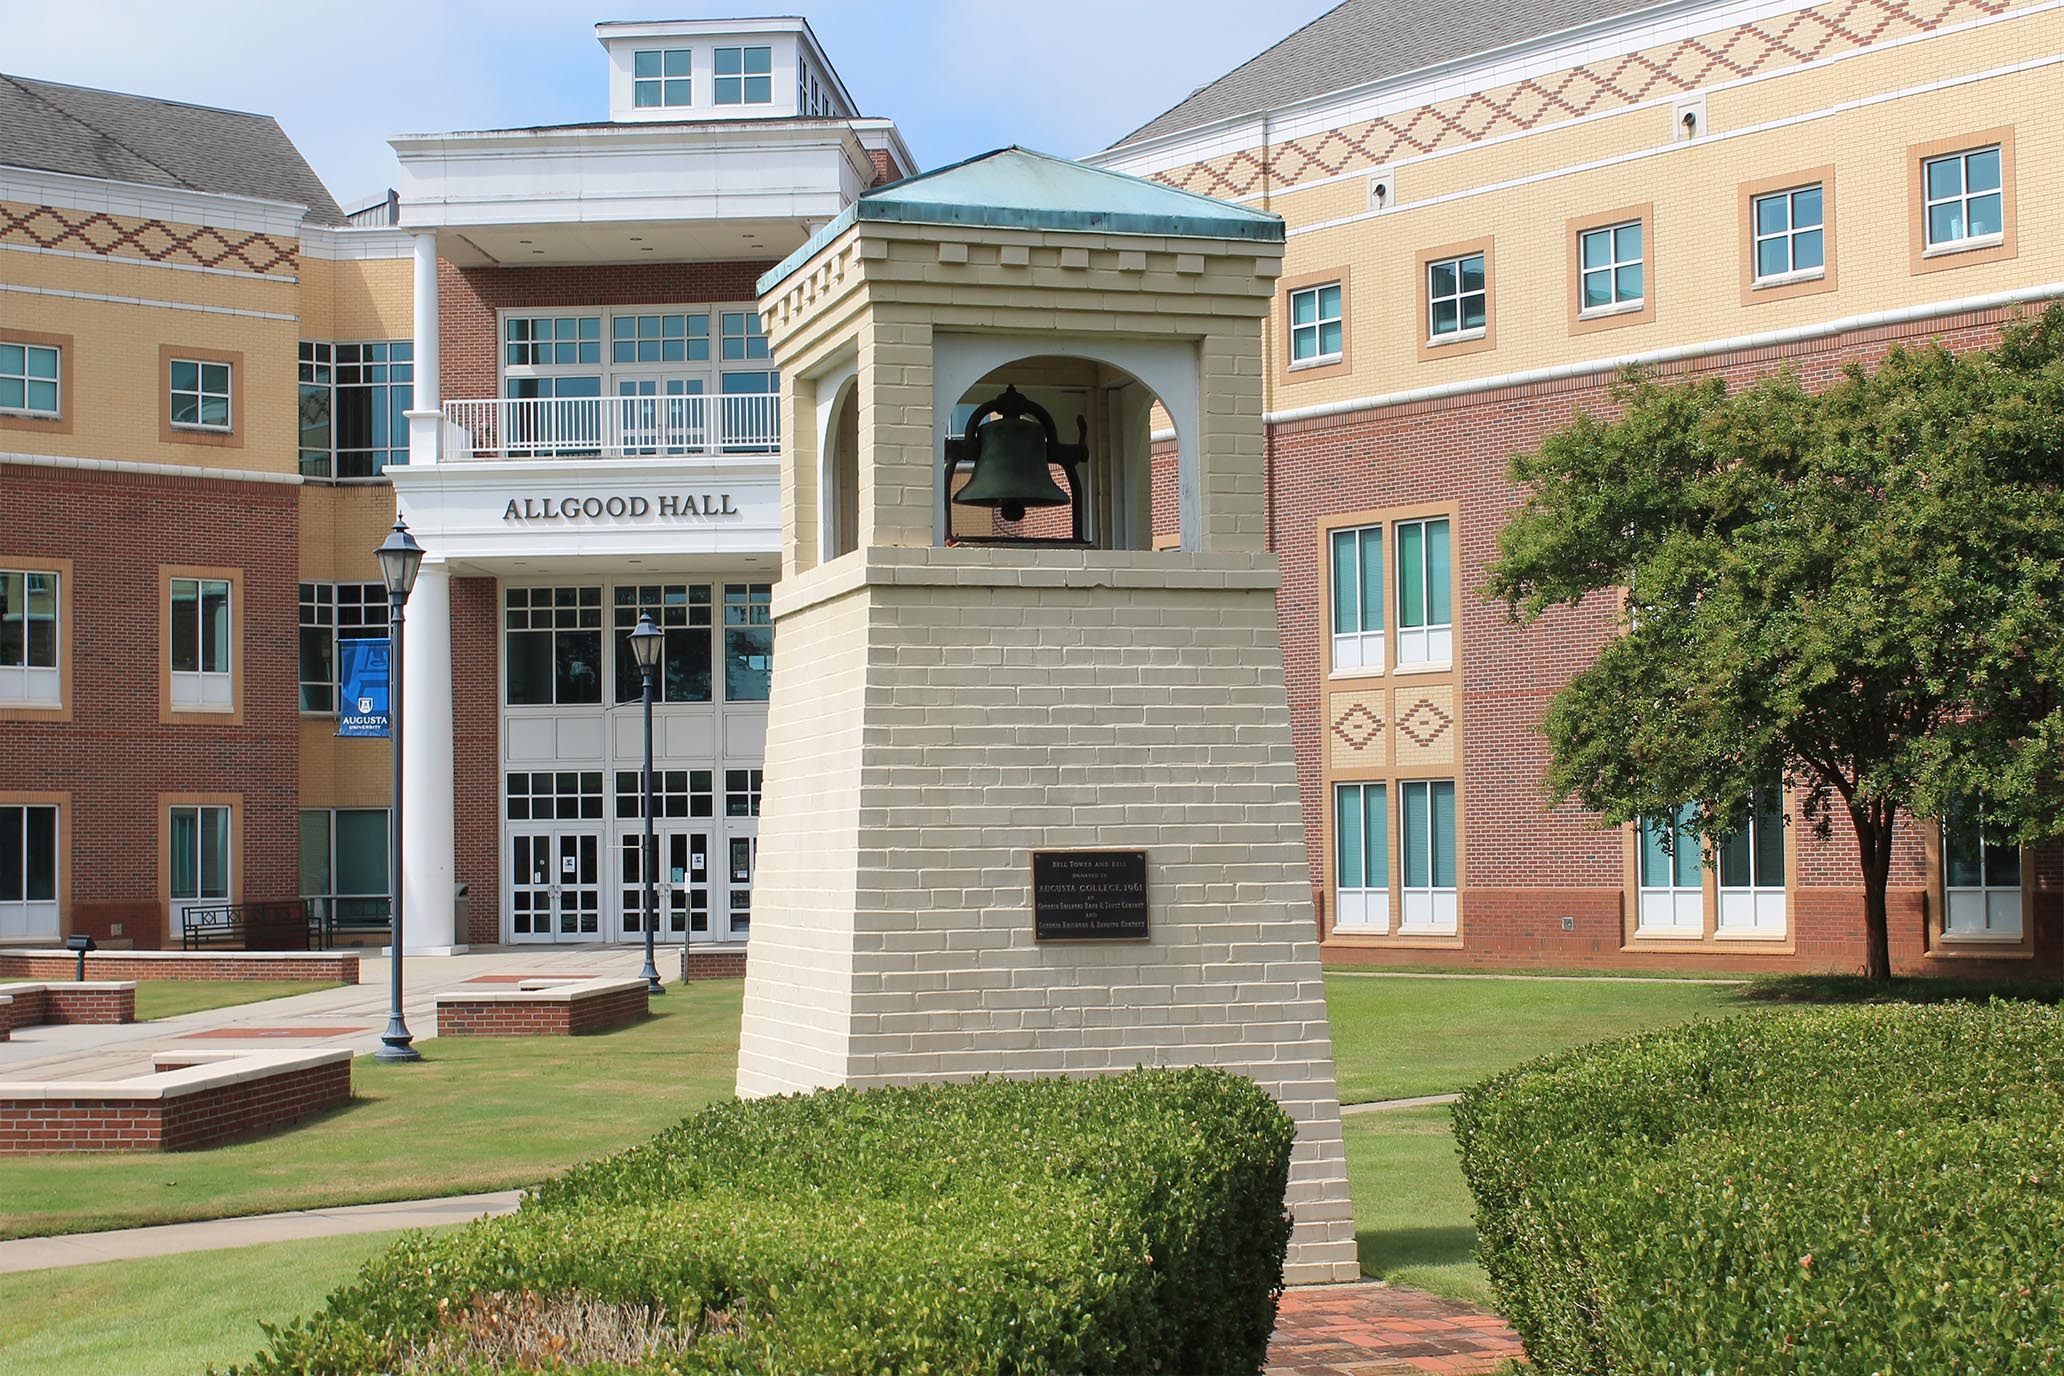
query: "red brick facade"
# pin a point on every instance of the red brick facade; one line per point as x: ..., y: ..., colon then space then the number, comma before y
x: 116, y: 756
x: 477, y: 755
x: 1528, y: 867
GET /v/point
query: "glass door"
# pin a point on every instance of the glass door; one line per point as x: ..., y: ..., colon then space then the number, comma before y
x: 741, y: 849
x: 580, y: 886
x: 555, y: 888
x: 684, y: 885
x: 662, y: 415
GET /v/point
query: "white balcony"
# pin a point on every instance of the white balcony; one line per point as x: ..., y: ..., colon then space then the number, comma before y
x: 495, y: 428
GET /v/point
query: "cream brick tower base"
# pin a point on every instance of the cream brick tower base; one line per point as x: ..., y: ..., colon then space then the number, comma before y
x: 940, y: 711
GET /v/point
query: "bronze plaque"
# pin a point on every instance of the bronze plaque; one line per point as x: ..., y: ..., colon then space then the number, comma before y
x: 1089, y: 895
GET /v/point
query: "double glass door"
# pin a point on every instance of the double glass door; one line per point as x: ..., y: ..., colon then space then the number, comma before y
x: 685, y: 879
x: 555, y: 890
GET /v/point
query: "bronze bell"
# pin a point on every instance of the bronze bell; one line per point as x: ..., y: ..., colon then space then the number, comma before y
x: 1011, y: 470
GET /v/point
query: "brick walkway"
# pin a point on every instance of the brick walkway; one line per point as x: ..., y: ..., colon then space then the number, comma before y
x: 1372, y: 1329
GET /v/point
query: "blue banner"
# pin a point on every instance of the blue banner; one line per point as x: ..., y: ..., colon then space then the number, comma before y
x: 362, y: 687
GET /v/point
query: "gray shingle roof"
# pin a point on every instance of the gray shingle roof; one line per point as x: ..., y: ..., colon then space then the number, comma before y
x: 1360, y: 41
x: 88, y: 133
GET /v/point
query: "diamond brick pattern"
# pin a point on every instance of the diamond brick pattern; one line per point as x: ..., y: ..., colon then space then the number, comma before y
x: 1767, y: 45
x: 151, y: 241
x: 1358, y: 726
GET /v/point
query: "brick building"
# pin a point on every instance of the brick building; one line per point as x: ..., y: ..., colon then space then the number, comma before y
x: 1491, y: 210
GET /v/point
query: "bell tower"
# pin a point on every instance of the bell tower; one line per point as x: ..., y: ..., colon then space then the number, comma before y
x: 1031, y: 802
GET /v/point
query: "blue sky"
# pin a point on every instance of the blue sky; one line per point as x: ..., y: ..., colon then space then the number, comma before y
x: 959, y: 76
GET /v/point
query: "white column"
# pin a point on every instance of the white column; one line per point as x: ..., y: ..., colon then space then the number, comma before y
x: 429, y: 834
x: 425, y: 414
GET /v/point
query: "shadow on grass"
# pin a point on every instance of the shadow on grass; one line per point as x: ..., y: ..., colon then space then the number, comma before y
x: 1388, y: 1250
x: 1857, y: 989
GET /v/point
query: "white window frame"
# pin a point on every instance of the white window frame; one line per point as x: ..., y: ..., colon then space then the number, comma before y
x: 1996, y: 907
x: 28, y: 375
x: 1619, y: 305
x: 1430, y: 908
x: 1362, y: 907
x: 1431, y: 644
x: 718, y: 76
x: 1315, y: 328
x: 664, y: 82
x: 202, y: 689
x: 1459, y: 332
x: 1361, y: 650
x: 22, y: 917
x: 1963, y: 197
x: 1673, y: 909
x: 36, y: 685
x: 1760, y: 909
x: 1789, y: 235
x: 200, y: 392
x: 200, y: 898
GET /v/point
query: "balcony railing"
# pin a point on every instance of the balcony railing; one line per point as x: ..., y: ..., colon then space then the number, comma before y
x: 612, y: 427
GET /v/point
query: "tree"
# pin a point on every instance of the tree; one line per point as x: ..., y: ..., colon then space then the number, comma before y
x: 1860, y: 591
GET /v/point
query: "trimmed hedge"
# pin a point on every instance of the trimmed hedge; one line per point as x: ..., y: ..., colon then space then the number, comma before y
x: 1868, y: 1190
x: 1128, y: 1223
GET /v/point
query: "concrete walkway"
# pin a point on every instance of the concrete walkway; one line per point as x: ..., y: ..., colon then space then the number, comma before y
x: 172, y: 1239
x: 1416, y: 1101
x: 346, y: 1016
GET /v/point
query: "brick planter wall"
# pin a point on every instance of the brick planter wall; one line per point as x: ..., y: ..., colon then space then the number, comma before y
x: 562, y: 1012
x: 334, y: 967
x: 716, y: 964
x: 216, y: 1098
x: 233, y: 1111
x: 96, y: 1003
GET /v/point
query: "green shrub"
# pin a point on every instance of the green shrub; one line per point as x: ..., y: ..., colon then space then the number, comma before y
x: 1128, y: 1223
x: 1869, y: 1190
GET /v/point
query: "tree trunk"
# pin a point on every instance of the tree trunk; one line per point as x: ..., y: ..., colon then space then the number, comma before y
x: 1873, y: 822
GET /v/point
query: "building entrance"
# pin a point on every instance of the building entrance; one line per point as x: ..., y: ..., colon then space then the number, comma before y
x: 555, y: 885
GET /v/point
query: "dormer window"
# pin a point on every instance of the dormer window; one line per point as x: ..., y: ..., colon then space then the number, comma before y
x: 662, y: 77
x: 745, y: 76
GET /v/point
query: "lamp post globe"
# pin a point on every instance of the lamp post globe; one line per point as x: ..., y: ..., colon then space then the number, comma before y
x: 646, y: 643
x: 400, y: 557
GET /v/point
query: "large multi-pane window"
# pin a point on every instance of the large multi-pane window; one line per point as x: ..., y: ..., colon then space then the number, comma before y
x: 662, y: 77
x: 200, y: 634
x: 316, y: 371
x: 682, y: 612
x: 1790, y: 234
x: 1357, y: 598
x: 742, y: 792
x: 675, y: 793
x: 1981, y: 876
x: 375, y: 385
x: 552, y: 341
x: 748, y: 641
x: 1315, y: 324
x: 1361, y: 856
x: 28, y: 637
x: 566, y: 795
x: 744, y: 75
x: 553, y: 639
x: 28, y: 871
x: 1427, y: 846
x: 198, y: 865
x: 675, y: 337
x: 200, y: 395
x: 29, y: 378
x: 1425, y: 595
x: 1965, y: 201
x: 344, y: 865
x: 1751, y: 866
x: 1613, y: 268
x: 1457, y: 297
x: 1673, y: 896
x: 742, y: 337
x: 331, y: 612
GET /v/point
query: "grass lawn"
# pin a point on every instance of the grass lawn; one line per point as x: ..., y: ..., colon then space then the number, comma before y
x: 1413, y: 1214
x: 168, y: 1316
x: 1395, y: 1038
x: 476, y: 1114
x: 168, y: 998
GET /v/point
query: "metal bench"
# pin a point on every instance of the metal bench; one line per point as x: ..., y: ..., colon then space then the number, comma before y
x: 279, y: 925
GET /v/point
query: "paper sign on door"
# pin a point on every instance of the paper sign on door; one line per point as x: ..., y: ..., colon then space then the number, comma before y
x: 566, y: 864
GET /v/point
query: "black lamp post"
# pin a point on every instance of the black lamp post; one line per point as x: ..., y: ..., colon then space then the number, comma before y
x: 646, y: 642
x: 400, y: 556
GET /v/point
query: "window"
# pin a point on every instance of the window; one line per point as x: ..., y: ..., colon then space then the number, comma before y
x: 1752, y: 869
x: 552, y: 341
x: 199, y: 861
x: 1457, y: 297
x: 554, y: 640
x: 1964, y: 200
x: 562, y: 795
x: 745, y: 76
x: 344, y: 865
x: 200, y: 636
x: 742, y: 792
x: 748, y: 641
x: 675, y: 793
x: 1789, y: 235
x: 317, y: 383
x: 662, y: 77
x: 1357, y: 599
x: 29, y: 377
x: 1315, y: 314
x: 682, y: 613
x: 1612, y: 274
x: 742, y: 337
x: 679, y: 338
x: 1673, y: 899
x: 331, y: 612
x: 1361, y: 857
x: 1981, y: 877
x: 28, y: 638
x: 200, y: 395
x: 1426, y: 631
x: 28, y: 871
x: 375, y: 387
x: 1426, y: 833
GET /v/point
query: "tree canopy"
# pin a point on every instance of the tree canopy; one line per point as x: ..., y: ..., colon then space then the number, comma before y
x: 1859, y: 590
